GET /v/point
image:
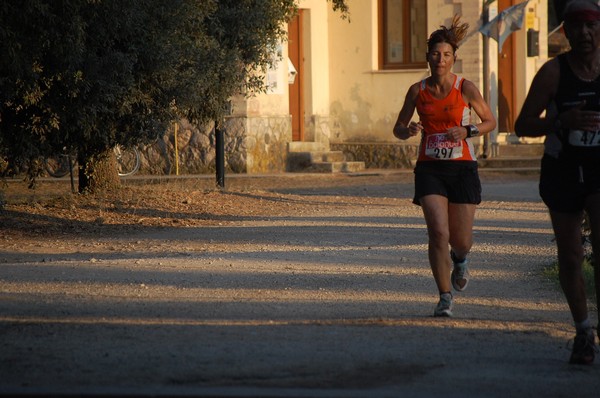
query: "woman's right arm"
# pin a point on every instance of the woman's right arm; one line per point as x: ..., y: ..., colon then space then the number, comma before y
x: 543, y: 89
x: 402, y: 128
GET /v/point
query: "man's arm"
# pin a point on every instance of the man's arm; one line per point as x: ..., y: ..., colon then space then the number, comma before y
x: 541, y: 93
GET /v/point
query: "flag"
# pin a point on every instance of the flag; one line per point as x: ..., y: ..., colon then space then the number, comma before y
x: 508, y: 21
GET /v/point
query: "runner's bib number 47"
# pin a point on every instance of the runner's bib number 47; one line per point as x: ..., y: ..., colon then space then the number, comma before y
x: 583, y: 138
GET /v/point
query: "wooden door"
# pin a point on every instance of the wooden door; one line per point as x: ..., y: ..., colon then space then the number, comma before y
x: 296, y: 55
x: 506, y: 80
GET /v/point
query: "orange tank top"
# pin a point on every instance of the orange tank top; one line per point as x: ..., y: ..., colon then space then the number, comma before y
x: 437, y: 116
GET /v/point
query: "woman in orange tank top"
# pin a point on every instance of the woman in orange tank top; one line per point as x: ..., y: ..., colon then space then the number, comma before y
x: 447, y: 185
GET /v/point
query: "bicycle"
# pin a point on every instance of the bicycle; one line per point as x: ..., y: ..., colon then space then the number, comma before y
x: 128, y: 162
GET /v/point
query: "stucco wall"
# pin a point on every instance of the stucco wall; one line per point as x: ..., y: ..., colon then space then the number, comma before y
x: 536, y: 18
x: 365, y: 101
x: 347, y: 98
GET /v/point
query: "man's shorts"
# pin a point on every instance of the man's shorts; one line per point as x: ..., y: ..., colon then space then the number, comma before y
x: 457, y: 181
x: 564, y: 184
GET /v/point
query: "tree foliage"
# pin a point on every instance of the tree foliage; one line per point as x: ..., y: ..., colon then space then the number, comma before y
x: 341, y: 6
x: 85, y: 75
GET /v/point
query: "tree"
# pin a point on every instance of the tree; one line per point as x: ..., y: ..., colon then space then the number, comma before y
x: 84, y: 75
x: 79, y: 78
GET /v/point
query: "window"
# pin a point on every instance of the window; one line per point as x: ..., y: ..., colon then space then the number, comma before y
x: 402, y: 34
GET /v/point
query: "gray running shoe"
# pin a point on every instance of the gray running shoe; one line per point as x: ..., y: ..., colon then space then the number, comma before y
x: 584, y: 348
x: 444, y: 306
x: 460, y: 274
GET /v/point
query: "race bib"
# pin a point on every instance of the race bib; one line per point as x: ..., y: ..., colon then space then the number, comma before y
x: 584, y: 138
x: 437, y: 146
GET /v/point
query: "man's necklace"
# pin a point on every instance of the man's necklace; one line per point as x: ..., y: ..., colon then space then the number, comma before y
x: 595, y: 72
x: 587, y: 80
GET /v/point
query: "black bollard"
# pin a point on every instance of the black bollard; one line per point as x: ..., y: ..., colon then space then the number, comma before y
x: 220, y: 156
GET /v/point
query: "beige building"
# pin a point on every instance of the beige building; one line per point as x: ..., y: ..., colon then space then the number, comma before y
x: 342, y: 82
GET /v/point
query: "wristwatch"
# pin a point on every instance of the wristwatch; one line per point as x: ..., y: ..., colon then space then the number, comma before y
x: 472, y: 130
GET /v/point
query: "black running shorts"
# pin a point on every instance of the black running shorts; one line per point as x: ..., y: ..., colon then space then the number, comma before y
x: 457, y: 181
x: 564, y: 185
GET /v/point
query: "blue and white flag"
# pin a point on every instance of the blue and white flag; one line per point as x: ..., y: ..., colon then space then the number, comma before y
x: 508, y: 21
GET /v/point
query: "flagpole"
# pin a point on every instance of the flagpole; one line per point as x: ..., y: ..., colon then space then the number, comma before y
x: 486, y: 72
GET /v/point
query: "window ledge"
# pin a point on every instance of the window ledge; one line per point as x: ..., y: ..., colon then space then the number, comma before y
x: 387, y: 71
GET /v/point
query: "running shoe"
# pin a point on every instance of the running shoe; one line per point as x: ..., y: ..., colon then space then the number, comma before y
x: 444, y: 306
x: 584, y: 348
x: 460, y: 273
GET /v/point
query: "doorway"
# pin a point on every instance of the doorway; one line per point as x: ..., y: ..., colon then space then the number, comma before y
x: 296, y: 55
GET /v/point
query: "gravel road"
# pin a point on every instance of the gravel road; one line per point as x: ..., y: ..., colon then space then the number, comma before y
x: 323, y: 291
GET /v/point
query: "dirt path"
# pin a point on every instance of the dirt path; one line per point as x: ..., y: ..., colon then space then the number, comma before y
x: 295, y: 286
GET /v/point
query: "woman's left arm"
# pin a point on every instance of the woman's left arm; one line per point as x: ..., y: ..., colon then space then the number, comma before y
x: 473, y: 97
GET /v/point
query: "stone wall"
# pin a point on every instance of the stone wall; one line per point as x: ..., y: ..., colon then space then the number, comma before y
x: 258, y: 145
x: 252, y: 145
x: 384, y: 155
x: 266, y: 143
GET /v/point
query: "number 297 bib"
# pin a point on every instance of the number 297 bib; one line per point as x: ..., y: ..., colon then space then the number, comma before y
x: 438, y: 146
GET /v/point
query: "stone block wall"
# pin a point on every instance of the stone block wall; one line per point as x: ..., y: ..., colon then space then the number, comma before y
x: 384, y: 155
x: 252, y: 145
